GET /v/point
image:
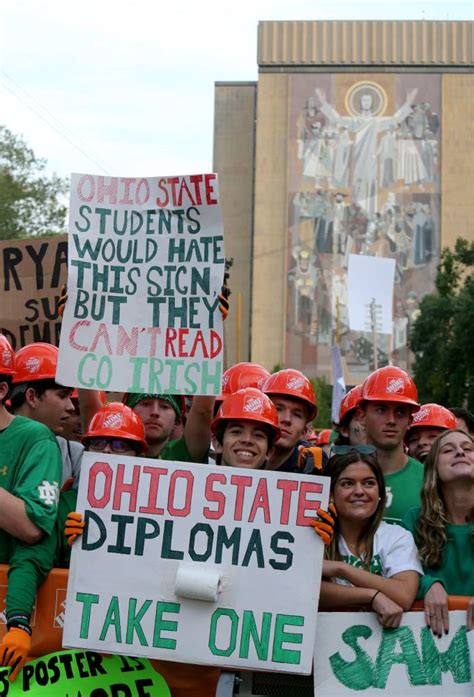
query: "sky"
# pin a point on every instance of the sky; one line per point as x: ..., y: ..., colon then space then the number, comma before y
x: 127, y: 89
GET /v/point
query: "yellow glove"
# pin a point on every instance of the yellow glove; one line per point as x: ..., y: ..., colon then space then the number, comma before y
x: 310, y: 459
x: 323, y: 525
x: 14, y: 650
x: 73, y: 527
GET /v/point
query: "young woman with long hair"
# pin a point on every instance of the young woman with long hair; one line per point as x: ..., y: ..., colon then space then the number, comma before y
x: 369, y: 564
x: 444, y: 527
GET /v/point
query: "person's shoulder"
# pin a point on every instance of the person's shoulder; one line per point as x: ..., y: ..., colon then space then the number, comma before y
x: 410, y: 518
x: 174, y: 449
x: 392, y: 532
x: 415, y: 464
x: 30, y: 429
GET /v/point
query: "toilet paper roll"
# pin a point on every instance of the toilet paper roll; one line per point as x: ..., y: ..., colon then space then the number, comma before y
x: 198, y: 584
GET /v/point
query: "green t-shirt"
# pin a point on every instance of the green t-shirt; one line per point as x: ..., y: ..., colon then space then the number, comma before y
x: 456, y: 571
x: 403, y: 490
x: 30, y: 468
x: 177, y: 450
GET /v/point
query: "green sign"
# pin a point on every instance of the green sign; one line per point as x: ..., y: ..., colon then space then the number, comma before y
x: 85, y: 674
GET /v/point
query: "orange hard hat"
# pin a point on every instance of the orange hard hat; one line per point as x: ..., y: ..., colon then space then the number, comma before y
x: 350, y: 402
x: 249, y: 404
x: 390, y: 384
x: 116, y: 420
x: 36, y: 362
x: 242, y: 375
x: 433, y: 415
x: 292, y: 383
x: 312, y: 437
x: 7, y: 357
x: 324, y: 436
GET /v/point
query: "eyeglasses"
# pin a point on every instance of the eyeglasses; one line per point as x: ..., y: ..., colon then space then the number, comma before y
x: 117, y: 445
x: 363, y: 449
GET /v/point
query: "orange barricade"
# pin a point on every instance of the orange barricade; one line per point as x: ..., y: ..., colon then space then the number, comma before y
x: 455, y: 602
x: 48, y: 615
x: 184, y: 679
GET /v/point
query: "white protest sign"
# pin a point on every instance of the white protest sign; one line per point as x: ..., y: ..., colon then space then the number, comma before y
x: 354, y: 654
x: 370, y: 293
x: 196, y: 563
x: 145, y: 269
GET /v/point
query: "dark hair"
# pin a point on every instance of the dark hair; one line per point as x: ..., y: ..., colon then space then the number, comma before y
x: 18, y: 396
x: 334, y: 468
x: 462, y: 413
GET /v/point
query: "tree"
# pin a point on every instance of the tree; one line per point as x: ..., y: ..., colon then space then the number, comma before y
x: 441, y: 337
x: 30, y: 201
x: 324, y: 400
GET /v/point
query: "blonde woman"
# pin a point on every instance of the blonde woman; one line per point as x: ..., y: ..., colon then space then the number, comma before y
x: 443, y: 527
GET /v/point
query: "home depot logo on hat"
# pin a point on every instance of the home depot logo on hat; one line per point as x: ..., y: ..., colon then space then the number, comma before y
x: 395, y: 384
x: 6, y: 358
x: 296, y: 382
x: 113, y: 421
x: 33, y: 365
x: 421, y: 415
x: 253, y: 405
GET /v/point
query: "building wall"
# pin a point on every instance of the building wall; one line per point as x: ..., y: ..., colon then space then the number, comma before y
x: 234, y: 157
x: 457, y: 178
x: 341, y: 52
x: 269, y: 251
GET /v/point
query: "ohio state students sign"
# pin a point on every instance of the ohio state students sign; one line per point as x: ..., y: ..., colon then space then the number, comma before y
x: 146, y: 265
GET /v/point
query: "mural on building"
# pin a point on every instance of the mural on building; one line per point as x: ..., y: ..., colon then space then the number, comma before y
x: 364, y: 167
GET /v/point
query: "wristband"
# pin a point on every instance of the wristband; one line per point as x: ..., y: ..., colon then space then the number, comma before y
x: 19, y: 621
x: 373, y: 597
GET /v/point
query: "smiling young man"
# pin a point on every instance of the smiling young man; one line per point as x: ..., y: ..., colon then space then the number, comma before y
x: 389, y: 400
x: 428, y: 423
x: 245, y: 429
x: 293, y: 396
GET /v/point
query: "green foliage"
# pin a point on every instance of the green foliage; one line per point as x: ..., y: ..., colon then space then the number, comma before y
x: 29, y: 200
x: 442, y: 336
x: 323, y: 398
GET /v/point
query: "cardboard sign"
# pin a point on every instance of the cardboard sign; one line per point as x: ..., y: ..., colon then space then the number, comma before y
x: 196, y: 563
x: 87, y: 674
x: 370, y: 293
x: 355, y: 654
x: 32, y: 272
x: 146, y: 265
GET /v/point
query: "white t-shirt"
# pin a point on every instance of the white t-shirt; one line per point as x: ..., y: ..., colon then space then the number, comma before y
x: 394, y: 551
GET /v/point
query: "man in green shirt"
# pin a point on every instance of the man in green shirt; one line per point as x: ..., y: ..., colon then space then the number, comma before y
x: 30, y: 472
x: 389, y: 400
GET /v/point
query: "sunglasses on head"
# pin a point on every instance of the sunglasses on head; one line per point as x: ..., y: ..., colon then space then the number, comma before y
x: 363, y: 449
x: 117, y: 445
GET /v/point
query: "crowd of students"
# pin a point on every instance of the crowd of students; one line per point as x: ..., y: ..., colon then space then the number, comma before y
x: 400, y: 525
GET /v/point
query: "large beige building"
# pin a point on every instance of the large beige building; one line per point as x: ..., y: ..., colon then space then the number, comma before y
x: 356, y: 139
